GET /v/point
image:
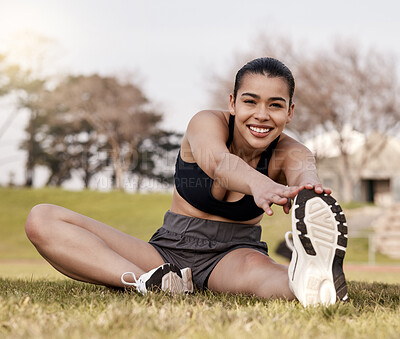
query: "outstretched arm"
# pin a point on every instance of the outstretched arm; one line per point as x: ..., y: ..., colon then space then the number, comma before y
x: 300, y: 169
x: 207, y: 134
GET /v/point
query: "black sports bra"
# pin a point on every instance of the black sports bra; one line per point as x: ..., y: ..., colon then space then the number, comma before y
x: 194, y: 185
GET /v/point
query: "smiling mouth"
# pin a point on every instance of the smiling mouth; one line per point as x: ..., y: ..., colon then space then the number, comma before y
x: 261, y: 130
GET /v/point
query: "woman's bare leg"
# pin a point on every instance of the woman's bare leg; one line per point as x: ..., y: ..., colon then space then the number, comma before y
x: 246, y: 270
x: 85, y: 249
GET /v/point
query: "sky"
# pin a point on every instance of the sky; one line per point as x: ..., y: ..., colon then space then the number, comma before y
x: 174, y: 47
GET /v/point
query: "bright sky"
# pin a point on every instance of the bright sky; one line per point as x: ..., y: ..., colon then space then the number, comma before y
x: 173, y: 45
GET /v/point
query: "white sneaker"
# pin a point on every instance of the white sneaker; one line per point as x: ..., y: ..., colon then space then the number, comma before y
x: 166, y: 277
x: 319, y: 234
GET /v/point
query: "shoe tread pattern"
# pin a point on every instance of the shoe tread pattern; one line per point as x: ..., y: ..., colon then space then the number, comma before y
x: 338, y: 275
x: 155, y: 281
x: 337, y: 265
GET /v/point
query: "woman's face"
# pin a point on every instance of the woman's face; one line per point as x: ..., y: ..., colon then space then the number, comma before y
x: 261, y: 110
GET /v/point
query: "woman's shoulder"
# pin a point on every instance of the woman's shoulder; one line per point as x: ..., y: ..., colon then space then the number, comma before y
x: 207, y: 128
x: 288, y: 153
x: 290, y: 148
x: 207, y: 115
x: 287, y: 143
x: 208, y: 123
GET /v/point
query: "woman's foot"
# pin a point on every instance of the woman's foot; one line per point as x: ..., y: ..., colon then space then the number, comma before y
x: 319, y: 233
x: 166, y: 277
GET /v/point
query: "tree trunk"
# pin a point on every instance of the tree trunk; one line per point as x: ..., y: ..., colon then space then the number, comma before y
x: 119, y: 174
x: 86, y: 179
x: 30, y: 161
x: 139, y: 183
x: 346, y: 193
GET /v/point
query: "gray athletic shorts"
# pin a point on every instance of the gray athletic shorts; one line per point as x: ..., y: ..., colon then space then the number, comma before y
x: 200, y: 244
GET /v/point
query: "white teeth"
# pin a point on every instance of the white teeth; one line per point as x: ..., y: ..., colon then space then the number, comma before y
x: 259, y: 130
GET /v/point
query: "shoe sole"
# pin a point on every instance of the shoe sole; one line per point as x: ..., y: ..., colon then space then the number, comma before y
x: 319, y: 228
x: 187, y: 280
x: 169, y: 278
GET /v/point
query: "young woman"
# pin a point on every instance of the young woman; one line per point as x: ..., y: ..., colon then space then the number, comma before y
x: 232, y: 166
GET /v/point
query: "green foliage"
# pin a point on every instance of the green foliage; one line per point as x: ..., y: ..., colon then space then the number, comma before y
x: 27, y: 87
x: 156, y: 157
x: 68, y: 309
x: 117, y: 115
x: 70, y: 146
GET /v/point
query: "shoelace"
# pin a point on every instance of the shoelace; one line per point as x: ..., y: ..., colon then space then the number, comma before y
x: 289, y: 241
x: 139, y: 284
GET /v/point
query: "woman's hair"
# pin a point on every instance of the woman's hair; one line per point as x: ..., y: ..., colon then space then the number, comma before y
x: 266, y: 66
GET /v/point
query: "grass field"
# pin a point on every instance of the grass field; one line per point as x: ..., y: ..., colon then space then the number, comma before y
x: 37, y: 302
x: 68, y: 309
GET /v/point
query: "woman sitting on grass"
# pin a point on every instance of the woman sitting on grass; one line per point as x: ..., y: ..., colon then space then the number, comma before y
x: 232, y: 166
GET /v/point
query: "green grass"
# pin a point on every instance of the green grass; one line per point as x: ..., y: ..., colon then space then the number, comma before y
x: 137, y: 214
x: 68, y: 309
x: 38, y: 302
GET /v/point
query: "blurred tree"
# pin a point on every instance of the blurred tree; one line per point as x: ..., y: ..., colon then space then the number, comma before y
x: 10, y: 79
x: 70, y: 144
x: 339, y: 90
x: 23, y: 75
x: 26, y: 88
x: 4, y: 90
x: 155, y: 159
x: 4, y: 78
x: 119, y: 113
x: 30, y: 91
x: 346, y: 90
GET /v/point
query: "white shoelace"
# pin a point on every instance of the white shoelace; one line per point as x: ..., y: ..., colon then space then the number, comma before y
x: 139, y: 283
x: 289, y: 241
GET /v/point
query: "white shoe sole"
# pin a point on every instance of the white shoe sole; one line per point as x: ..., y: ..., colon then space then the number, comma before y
x: 320, y: 241
x: 187, y: 280
x: 174, y: 283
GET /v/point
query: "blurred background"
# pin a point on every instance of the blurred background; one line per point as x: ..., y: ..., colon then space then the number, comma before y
x: 97, y: 94
x: 90, y: 87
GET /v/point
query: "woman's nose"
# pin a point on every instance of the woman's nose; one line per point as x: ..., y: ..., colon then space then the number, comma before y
x: 262, y: 113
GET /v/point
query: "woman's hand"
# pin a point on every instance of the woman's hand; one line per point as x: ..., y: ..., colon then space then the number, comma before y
x: 269, y: 193
x: 318, y: 188
x: 299, y: 168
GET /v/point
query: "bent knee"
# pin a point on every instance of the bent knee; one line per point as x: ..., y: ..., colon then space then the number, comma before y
x: 38, y: 221
x: 269, y: 279
x: 255, y: 259
x: 256, y: 262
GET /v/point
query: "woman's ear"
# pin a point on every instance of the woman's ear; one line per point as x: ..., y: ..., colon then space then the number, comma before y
x: 231, y: 104
x: 290, y: 114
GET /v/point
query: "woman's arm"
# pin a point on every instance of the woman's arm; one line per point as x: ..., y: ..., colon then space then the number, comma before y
x: 207, y: 134
x: 299, y: 167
